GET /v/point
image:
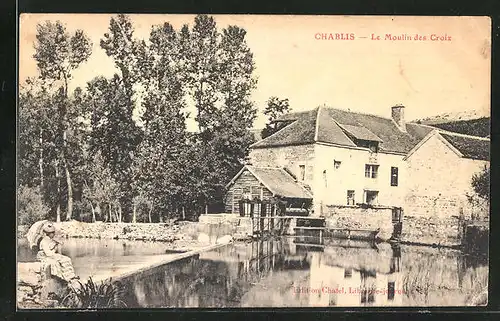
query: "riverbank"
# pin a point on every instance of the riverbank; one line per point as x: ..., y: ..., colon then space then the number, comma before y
x: 178, y: 236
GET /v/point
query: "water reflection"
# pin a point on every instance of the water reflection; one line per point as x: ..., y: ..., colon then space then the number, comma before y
x: 294, y: 273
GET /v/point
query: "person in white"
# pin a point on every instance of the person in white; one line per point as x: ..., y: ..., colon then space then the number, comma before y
x: 61, y: 265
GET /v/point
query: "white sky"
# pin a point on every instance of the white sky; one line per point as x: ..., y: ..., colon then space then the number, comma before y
x: 428, y: 77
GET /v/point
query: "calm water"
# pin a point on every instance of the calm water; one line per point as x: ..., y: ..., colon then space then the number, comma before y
x: 101, y: 259
x: 284, y: 273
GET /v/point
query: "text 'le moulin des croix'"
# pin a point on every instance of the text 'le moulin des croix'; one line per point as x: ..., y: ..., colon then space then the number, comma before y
x: 387, y: 36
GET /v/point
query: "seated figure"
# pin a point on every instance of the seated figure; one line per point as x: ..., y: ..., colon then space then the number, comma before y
x: 50, y: 254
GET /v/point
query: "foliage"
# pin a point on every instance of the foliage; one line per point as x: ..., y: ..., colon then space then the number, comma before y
x: 220, y: 79
x: 58, y: 53
x: 31, y: 207
x: 120, y: 145
x: 114, y: 131
x: 274, y: 109
x: 157, y: 171
x: 93, y: 296
x: 481, y: 183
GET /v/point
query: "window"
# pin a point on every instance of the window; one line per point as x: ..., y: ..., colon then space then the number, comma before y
x: 368, y: 295
x: 347, y: 273
x: 390, y: 291
x: 302, y: 172
x: 394, y: 176
x: 371, y: 197
x: 336, y: 164
x: 371, y: 171
x: 350, y: 197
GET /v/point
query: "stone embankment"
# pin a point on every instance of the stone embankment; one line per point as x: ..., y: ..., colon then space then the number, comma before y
x: 179, y: 235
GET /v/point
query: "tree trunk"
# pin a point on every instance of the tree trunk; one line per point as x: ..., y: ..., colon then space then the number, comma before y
x: 183, y: 213
x: 119, y: 213
x: 40, y: 160
x: 134, y: 215
x: 69, y: 211
x: 206, y: 209
x: 110, y: 213
x: 58, y: 194
x: 149, y: 213
x: 93, y: 212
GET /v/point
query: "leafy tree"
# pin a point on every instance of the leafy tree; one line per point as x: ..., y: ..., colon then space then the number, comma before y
x: 220, y: 77
x: 202, y: 67
x: 275, y: 108
x: 38, y: 151
x: 31, y: 207
x: 481, y: 183
x: 158, y: 175
x: 115, y: 132
x: 58, y: 53
x: 100, y: 189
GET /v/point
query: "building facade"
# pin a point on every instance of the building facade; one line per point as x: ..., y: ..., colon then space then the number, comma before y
x: 441, y: 168
x: 344, y: 158
x: 347, y: 159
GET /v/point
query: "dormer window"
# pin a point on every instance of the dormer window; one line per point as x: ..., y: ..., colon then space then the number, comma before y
x: 371, y: 145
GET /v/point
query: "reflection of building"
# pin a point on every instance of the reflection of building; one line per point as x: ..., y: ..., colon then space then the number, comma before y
x: 355, y: 281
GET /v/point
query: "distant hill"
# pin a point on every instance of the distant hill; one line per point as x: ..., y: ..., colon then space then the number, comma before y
x: 475, y: 127
x: 470, y: 122
x: 452, y: 117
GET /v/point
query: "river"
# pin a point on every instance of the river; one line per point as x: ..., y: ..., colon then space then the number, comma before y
x: 284, y: 273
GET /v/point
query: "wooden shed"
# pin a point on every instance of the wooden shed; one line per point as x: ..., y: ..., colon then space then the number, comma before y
x: 264, y: 183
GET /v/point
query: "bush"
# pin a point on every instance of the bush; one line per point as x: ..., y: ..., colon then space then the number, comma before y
x: 481, y: 183
x: 30, y: 205
x: 93, y: 296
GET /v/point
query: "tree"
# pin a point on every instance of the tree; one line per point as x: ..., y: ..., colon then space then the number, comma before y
x: 158, y: 174
x: 202, y: 67
x: 275, y: 108
x: 58, y: 54
x: 39, y: 155
x: 31, y: 207
x: 220, y: 77
x: 114, y: 133
x: 481, y: 183
x: 117, y: 130
x: 100, y: 190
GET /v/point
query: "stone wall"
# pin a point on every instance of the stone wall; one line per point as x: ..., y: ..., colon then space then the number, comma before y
x: 354, y: 217
x: 439, y: 180
x: 35, y: 286
x: 431, y: 230
x: 215, y: 225
x: 132, y: 231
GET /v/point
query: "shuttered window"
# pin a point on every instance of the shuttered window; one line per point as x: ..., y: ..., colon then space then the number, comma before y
x: 394, y: 176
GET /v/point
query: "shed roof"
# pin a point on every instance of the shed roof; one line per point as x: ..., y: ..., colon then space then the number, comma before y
x: 277, y: 180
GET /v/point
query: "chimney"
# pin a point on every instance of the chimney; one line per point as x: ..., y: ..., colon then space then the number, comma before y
x: 398, y: 115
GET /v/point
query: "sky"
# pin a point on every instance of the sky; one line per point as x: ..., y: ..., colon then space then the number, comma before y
x: 429, y: 77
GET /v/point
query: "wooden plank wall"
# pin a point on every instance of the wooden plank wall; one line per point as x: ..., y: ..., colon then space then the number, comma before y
x: 246, y: 184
